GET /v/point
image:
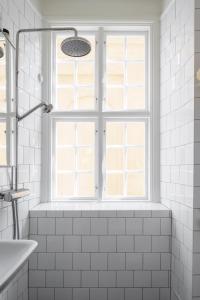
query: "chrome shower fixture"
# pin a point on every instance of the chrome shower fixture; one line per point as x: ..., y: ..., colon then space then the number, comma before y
x: 47, y: 109
x: 75, y: 46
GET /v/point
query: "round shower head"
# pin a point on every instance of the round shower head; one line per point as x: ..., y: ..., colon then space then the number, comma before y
x: 48, y: 108
x: 1, y: 53
x: 75, y: 46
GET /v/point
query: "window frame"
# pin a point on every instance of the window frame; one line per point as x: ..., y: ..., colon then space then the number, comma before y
x: 149, y: 114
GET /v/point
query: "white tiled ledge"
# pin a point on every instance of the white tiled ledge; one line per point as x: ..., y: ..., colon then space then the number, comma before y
x: 144, y: 209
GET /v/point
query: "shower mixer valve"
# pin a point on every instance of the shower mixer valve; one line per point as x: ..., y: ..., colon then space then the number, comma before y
x: 11, y: 195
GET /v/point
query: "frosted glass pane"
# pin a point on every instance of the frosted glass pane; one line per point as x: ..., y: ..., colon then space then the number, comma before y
x: 114, y: 159
x: 2, y: 74
x: 65, y: 133
x: 115, y: 133
x: 135, y: 158
x: 115, y: 47
x: 135, y: 98
x: 85, y: 133
x: 136, y: 47
x: 2, y: 134
x: 115, y: 73
x: 65, y: 98
x: 115, y: 98
x: 136, y: 184
x: 65, y: 159
x: 86, y: 159
x: 125, y: 69
x: 114, y: 184
x: 136, y: 133
x: 65, y: 74
x: 86, y: 185
x: 3, y: 100
x: 3, y: 161
x: 85, y: 73
x: 65, y: 185
x: 75, y: 155
x: 135, y: 73
x: 85, y: 98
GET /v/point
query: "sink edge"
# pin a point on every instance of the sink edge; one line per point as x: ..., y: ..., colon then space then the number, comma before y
x: 12, y: 272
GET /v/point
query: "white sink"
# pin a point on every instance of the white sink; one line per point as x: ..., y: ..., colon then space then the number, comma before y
x: 12, y: 256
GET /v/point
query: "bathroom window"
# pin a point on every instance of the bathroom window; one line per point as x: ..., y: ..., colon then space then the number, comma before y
x: 101, y: 122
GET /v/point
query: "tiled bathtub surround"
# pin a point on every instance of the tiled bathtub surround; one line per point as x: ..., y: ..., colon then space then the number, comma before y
x: 16, y: 14
x: 100, y: 254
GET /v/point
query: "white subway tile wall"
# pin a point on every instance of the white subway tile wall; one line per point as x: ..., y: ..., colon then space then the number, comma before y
x: 196, y: 217
x: 109, y: 255
x: 177, y: 111
x: 13, y: 16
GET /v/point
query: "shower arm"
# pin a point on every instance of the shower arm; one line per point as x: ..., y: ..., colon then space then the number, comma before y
x: 18, y: 118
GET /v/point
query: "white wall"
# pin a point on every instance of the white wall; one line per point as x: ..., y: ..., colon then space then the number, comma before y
x: 177, y: 138
x: 62, y: 10
x: 196, y: 233
x: 16, y: 14
x: 165, y: 4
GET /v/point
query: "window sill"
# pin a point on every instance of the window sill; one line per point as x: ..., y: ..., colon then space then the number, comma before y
x: 95, y: 209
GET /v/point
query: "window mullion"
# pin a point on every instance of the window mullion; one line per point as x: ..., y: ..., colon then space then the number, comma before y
x: 100, y: 64
x: 76, y: 162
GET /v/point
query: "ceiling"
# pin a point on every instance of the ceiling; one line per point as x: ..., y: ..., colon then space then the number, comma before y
x: 90, y: 10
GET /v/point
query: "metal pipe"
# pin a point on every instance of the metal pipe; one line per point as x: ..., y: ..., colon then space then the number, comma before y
x: 19, y: 118
x: 17, y: 81
x: 17, y: 219
x: 14, y: 219
x: 48, y: 29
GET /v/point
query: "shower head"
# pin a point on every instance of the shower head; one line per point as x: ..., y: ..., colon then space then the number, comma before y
x: 1, y: 53
x: 75, y: 46
x: 47, y: 108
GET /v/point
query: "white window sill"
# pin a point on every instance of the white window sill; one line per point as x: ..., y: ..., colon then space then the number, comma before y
x: 148, y: 209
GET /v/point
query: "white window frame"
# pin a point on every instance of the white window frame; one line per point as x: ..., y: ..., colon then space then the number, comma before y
x: 150, y: 115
